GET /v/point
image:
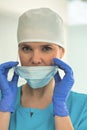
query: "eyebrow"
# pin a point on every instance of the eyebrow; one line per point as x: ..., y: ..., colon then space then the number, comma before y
x: 47, y: 45
x: 27, y: 44
x: 23, y: 44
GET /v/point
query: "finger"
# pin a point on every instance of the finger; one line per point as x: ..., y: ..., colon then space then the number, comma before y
x: 62, y: 65
x: 57, y: 77
x: 14, y: 81
x: 15, y: 78
x: 4, y: 68
x: 8, y: 65
x: 69, y: 77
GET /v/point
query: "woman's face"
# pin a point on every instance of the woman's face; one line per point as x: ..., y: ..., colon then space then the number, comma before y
x: 39, y: 53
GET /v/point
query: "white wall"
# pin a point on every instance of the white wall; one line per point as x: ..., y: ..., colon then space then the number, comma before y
x: 77, y: 43
x: 8, y: 44
x: 77, y: 55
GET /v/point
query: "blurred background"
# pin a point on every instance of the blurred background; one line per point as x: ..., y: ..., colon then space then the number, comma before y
x: 77, y: 42
x: 74, y: 14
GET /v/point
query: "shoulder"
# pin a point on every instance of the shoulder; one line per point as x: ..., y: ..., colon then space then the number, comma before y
x: 77, y: 106
x: 76, y: 99
x: 77, y: 96
x: 77, y: 102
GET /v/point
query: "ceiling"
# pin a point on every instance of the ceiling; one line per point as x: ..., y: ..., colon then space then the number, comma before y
x: 77, y: 10
x: 17, y: 6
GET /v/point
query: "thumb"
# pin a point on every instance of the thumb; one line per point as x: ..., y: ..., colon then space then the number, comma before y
x: 57, y: 77
x: 15, y: 78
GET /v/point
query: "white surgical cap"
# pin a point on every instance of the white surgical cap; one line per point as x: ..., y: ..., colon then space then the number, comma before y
x: 40, y: 25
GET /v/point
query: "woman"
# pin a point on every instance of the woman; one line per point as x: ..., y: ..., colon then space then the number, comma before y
x: 41, y: 103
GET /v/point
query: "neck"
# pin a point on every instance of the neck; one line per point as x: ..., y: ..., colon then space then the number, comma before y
x: 37, y: 98
x: 40, y: 92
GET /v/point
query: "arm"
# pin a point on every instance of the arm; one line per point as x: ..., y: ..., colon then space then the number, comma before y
x: 4, y: 120
x: 61, y: 92
x: 63, y: 123
x: 8, y: 91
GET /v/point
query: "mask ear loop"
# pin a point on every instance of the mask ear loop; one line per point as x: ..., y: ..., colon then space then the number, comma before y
x: 21, y: 81
x: 11, y: 71
x: 18, y: 59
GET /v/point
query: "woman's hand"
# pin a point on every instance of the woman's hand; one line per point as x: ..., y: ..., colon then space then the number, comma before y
x: 8, y: 88
x: 62, y: 88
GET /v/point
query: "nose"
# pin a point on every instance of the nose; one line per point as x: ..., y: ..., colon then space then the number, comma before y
x: 36, y: 58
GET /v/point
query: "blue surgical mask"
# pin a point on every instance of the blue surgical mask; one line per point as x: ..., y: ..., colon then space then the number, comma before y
x: 37, y: 76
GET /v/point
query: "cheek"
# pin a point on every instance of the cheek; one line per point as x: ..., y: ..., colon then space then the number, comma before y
x: 23, y: 59
x: 49, y: 58
x: 57, y: 54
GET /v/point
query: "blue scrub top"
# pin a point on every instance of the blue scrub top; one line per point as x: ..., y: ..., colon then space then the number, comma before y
x: 42, y: 119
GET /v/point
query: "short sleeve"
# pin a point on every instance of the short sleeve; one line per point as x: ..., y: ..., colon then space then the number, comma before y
x: 77, y: 105
x: 82, y: 124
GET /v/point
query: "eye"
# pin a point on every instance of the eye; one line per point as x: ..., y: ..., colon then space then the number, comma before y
x: 46, y: 48
x: 26, y: 48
